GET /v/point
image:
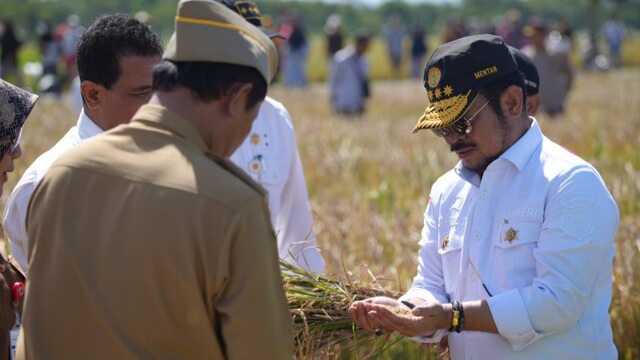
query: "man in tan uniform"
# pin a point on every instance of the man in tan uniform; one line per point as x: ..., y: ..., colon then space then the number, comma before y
x: 146, y: 241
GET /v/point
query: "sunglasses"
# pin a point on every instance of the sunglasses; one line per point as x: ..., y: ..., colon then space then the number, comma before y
x: 463, y: 125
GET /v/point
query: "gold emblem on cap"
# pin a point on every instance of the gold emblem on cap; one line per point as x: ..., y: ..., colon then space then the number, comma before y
x: 248, y: 7
x: 255, y: 139
x: 448, y: 90
x: 438, y: 93
x: 443, y: 112
x: 511, y: 235
x: 445, y: 242
x: 433, y: 77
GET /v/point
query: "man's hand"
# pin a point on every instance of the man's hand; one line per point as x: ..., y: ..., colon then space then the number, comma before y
x: 424, y: 320
x: 359, y: 312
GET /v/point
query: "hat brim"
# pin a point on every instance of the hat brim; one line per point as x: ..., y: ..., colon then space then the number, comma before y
x: 15, y: 106
x: 445, y: 112
x: 270, y: 33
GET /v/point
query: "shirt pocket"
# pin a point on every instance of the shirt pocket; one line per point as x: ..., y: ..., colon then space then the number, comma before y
x: 514, y: 262
x: 450, y: 250
x: 275, y: 171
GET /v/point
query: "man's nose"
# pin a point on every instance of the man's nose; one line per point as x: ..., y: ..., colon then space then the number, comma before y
x: 17, y: 152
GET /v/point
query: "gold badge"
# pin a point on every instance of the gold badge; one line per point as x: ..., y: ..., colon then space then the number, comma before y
x: 445, y: 242
x: 511, y: 235
x: 433, y: 77
x: 255, y: 166
x: 255, y: 139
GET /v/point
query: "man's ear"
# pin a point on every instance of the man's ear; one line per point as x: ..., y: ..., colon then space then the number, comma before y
x: 90, y: 92
x: 533, y: 103
x: 511, y: 101
x: 237, y: 98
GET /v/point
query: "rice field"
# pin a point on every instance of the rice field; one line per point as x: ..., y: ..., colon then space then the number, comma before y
x: 369, y: 179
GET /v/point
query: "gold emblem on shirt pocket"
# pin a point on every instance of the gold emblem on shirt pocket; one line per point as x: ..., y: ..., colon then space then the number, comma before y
x: 514, y: 234
x: 511, y: 235
x: 452, y: 239
x: 444, y: 244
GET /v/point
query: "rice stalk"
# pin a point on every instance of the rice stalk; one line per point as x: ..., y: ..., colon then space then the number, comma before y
x: 319, y: 310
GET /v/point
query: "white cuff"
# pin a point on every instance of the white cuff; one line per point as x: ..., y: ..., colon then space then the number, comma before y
x: 512, y: 320
x: 422, y: 294
x: 435, y: 338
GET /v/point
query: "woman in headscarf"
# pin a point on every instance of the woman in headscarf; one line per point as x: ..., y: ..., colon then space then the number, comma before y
x: 15, y: 106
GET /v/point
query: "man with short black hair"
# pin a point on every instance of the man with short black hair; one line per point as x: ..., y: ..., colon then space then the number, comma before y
x: 116, y: 56
x: 517, y: 247
x: 178, y: 259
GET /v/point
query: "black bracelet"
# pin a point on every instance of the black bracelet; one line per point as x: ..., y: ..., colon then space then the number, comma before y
x: 457, y: 321
x: 408, y: 304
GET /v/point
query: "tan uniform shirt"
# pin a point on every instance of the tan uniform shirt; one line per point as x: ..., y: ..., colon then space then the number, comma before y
x: 144, y: 246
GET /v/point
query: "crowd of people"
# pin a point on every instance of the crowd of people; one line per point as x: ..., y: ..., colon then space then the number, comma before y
x: 154, y: 227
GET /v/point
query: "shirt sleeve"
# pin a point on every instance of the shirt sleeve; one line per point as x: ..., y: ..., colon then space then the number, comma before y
x: 14, y: 220
x: 253, y: 306
x: 428, y: 284
x: 574, y: 249
x: 294, y: 222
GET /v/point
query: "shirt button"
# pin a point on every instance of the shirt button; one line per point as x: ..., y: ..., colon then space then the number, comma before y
x: 476, y: 235
x: 484, y: 193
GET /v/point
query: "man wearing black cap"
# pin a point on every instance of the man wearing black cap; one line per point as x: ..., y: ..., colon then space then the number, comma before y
x: 531, y: 79
x: 517, y: 244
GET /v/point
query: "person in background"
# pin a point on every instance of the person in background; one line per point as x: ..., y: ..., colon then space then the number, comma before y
x: 333, y: 31
x: 418, y: 50
x: 69, y: 43
x: 270, y: 156
x: 349, y: 77
x: 510, y: 28
x: 116, y: 56
x: 614, y: 32
x: 556, y: 72
x: 295, y: 50
x: 393, y: 33
x: 15, y: 106
x: 531, y: 79
x: 163, y: 248
x: 51, y: 52
x: 9, y: 44
x: 516, y: 255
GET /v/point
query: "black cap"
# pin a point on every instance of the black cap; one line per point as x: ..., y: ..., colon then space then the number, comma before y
x: 249, y: 10
x: 525, y: 65
x: 457, y: 71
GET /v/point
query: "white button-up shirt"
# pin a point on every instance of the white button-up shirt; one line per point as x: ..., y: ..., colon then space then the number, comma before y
x: 15, y: 211
x: 270, y: 156
x: 538, y: 230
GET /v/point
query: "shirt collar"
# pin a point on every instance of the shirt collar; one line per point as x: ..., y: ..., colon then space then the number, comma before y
x: 520, y: 152
x: 173, y: 122
x: 86, y: 127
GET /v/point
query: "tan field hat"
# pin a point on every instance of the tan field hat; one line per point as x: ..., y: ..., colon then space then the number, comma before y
x: 209, y: 31
x: 15, y: 106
